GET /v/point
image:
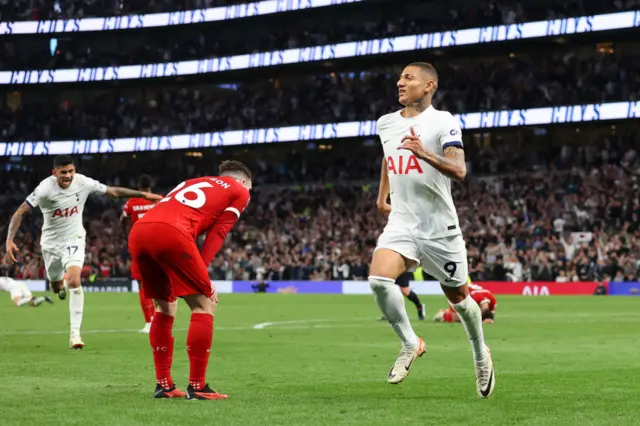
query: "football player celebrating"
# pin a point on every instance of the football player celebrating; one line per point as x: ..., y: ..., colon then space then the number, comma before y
x: 423, y: 154
x: 61, y: 198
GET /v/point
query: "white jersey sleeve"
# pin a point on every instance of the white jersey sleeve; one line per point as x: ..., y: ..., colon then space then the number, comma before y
x: 90, y: 185
x: 36, y: 196
x: 450, y: 133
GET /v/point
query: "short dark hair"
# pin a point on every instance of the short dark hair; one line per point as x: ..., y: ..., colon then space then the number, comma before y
x: 144, y: 182
x: 426, y: 67
x: 231, y: 166
x: 62, y: 160
x: 487, y: 314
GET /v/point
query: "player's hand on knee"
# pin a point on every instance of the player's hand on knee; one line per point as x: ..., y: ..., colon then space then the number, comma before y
x: 214, y: 295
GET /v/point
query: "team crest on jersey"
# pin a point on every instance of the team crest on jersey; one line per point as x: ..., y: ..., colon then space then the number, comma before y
x: 65, y: 212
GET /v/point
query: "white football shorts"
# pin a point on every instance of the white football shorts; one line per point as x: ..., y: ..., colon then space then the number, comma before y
x: 444, y: 258
x: 14, y: 288
x: 58, y: 260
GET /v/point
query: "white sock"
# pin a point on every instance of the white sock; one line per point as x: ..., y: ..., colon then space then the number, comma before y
x: 471, y: 318
x: 391, y: 303
x: 76, y: 309
x: 24, y: 301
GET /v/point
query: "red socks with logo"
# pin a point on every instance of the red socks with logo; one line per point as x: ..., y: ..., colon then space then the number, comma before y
x: 161, y: 340
x: 199, y: 340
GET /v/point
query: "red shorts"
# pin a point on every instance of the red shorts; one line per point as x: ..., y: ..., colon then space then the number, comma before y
x: 169, y: 262
x: 135, y: 270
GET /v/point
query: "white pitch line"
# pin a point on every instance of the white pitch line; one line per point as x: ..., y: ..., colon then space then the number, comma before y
x: 269, y: 324
x: 295, y: 325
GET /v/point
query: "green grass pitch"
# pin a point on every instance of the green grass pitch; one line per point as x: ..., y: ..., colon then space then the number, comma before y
x: 323, y: 360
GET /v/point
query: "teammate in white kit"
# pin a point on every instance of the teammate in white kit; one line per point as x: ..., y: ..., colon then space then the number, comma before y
x: 423, y: 152
x: 20, y: 293
x: 61, y: 199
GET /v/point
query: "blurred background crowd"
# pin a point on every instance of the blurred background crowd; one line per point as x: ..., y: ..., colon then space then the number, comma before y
x: 541, y: 203
x: 559, y: 213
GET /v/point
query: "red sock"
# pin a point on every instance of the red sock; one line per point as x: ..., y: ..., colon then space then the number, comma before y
x: 199, y: 340
x: 148, y: 309
x: 162, y: 346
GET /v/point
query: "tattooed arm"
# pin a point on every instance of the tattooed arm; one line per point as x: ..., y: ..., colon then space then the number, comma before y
x: 14, y: 225
x: 451, y: 164
x: 118, y: 192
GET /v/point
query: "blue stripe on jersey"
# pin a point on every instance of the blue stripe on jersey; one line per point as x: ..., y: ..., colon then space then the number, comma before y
x: 27, y: 201
x: 457, y: 144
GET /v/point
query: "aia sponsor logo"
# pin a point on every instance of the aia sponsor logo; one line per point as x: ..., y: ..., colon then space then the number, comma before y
x: 403, y: 165
x: 66, y: 212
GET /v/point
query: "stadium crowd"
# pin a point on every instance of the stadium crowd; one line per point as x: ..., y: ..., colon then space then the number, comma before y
x: 188, y: 43
x: 508, y: 83
x: 552, y: 213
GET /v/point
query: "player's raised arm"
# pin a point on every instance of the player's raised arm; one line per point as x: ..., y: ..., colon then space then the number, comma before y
x: 14, y: 225
x: 451, y: 164
x: 383, y: 190
x: 119, y: 192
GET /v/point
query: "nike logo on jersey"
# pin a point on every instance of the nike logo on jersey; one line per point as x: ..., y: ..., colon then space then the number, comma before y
x: 383, y: 142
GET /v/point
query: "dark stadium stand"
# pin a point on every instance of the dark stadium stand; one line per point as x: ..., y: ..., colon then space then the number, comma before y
x: 564, y: 77
x: 356, y: 22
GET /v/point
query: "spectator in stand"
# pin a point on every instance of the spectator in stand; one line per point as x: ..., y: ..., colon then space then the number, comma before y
x: 508, y: 83
x: 319, y: 231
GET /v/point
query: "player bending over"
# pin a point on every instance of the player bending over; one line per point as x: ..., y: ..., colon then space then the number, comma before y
x: 20, y: 293
x: 61, y: 199
x: 423, y: 153
x: 172, y: 267
x: 483, y: 297
x: 403, y: 282
x: 135, y: 208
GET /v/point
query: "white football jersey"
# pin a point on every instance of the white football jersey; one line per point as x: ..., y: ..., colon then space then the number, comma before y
x: 62, y: 209
x: 420, y: 194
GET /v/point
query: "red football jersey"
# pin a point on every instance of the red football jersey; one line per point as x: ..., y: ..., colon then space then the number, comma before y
x: 482, y: 295
x: 209, y: 205
x: 135, y: 208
